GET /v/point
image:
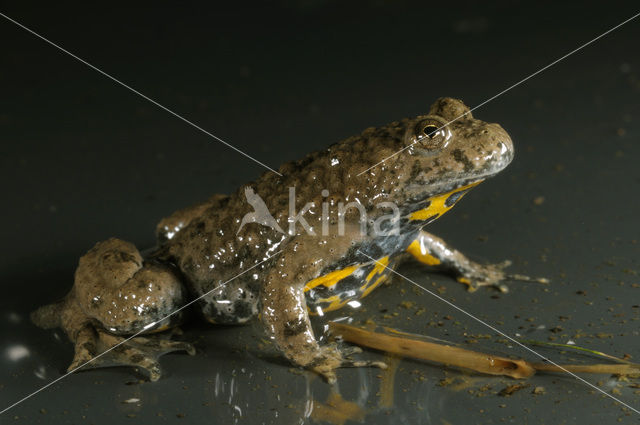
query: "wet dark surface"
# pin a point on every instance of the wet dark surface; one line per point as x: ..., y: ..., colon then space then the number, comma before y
x: 83, y: 159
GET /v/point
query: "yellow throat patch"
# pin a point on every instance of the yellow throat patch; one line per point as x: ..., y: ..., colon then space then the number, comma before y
x: 438, y: 205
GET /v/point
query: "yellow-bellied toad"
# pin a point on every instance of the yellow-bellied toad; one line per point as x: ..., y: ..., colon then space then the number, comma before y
x: 349, y: 226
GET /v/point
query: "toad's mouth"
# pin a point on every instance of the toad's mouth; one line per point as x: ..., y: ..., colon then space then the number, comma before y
x: 422, y: 192
x: 424, y: 187
x: 445, y: 174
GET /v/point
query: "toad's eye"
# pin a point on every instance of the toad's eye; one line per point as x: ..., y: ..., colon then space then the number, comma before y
x: 430, y: 130
x: 431, y: 134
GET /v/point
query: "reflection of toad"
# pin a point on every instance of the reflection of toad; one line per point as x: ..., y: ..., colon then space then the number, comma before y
x: 117, y: 292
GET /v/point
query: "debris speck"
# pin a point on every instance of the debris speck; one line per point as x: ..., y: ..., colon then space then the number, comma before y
x: 510, y: 389
x: 538, y: 391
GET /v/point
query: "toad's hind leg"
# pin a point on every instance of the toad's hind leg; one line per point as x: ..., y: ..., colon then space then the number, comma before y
x: 116, y: 294
x: 286, y: 319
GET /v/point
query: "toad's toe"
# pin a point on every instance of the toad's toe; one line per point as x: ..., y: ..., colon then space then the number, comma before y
x: 107, y: 350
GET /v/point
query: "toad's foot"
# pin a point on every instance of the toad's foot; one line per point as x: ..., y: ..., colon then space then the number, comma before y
x: 330, y: 358
x: 97, y: 348
x: 476, y: 275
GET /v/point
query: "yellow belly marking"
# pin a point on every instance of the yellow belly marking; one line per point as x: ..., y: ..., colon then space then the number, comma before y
x: 334, y: 302
x: 422, y: 255
x: 381, y: 264
x: 379, y: 268
x: 330, y: 279
x: 378, y: 281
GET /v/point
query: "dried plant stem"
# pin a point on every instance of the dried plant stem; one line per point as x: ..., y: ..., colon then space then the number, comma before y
x: 460, y: 357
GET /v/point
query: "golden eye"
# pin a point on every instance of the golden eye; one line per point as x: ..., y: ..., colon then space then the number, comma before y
x: 431, y: 134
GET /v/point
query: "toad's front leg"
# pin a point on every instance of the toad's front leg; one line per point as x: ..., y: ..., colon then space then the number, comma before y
x: 433, y: 251
x: 286, y: 320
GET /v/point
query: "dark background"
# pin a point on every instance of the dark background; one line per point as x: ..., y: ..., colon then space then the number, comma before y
x: 84, y: 159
